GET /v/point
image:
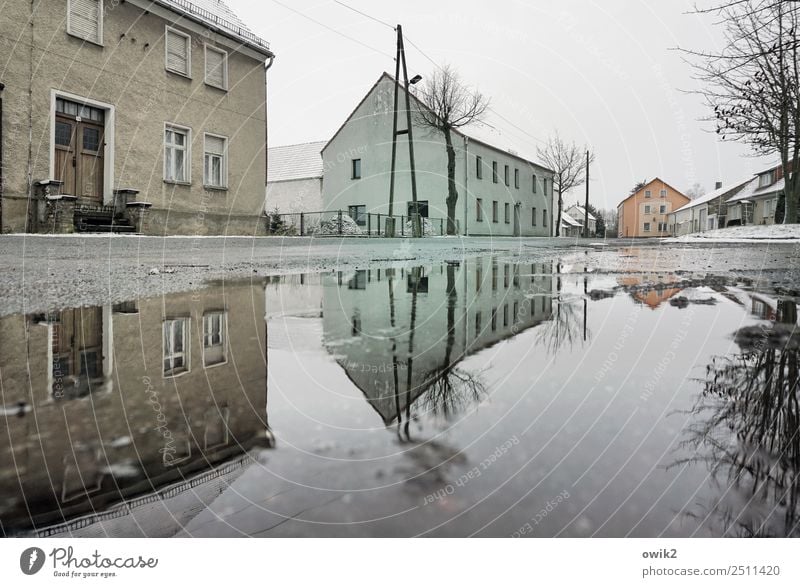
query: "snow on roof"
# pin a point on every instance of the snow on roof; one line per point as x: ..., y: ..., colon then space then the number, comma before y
x: 715, y: 194
x: 569, y: 220
x: 582, y: 212
x: 751, y: 190
x: 217, y: 14
x: 302, y: 161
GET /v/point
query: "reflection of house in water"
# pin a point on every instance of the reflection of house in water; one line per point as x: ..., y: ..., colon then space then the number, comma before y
x: 651, y: 289
x: 136, y: 402
x: 400, y: 333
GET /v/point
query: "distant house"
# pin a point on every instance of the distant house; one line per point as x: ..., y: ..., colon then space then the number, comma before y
x: 644, y: 213
x: 570, y: 227
x: 294, y: 178
x: 707, y: 212
x: 578, y: 213
x: 500, y: 193
x: 757, y: 202
x: 143, y: 116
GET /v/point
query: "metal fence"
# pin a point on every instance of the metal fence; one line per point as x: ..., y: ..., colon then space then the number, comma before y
x: 339, y: 223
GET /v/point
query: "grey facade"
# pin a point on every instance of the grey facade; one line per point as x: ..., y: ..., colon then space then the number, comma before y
x: 119, y: 73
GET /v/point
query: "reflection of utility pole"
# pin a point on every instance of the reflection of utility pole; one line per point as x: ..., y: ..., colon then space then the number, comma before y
x: 585, y: 301
x: 390, y: 221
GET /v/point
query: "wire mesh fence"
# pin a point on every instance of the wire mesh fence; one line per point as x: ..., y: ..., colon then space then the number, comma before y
x: 339, y: 223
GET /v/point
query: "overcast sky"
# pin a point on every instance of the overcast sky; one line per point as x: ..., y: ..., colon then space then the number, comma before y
x: 598, y: 72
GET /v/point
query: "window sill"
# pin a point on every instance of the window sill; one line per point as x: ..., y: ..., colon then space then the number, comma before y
x: 215, y: 188
x: 180, y: 73
x: 216, y: 87
x: 217, y: 364
x: 84, y: 40
x: 174, y: 182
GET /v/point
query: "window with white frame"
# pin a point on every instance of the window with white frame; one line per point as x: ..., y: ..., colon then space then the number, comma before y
x: 663, y: 193
x: 176, y: 346
x: 215, y: 161
x: 765, y: 179
x: 216, y: 68
x: 213, y: 338
x: 176, y: 153
x: 647, y: 209
x: 85, y: 20
x: 647, y: 193
x: 662, y: 209
x: 647, y: 227
x: 178, y: 52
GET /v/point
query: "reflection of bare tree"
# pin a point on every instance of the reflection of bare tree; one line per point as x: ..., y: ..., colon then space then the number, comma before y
x: 749, y: 432
x: 450, y: 389
x: 564, y: 328
x: 566, y: 325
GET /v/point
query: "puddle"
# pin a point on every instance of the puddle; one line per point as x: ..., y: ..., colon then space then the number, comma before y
x: 479, y: 397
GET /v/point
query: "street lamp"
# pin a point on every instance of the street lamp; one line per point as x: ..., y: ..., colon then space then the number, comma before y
x: 415, y: 80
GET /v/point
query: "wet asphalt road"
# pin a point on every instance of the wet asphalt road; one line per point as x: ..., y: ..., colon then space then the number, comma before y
x: 48, y: 272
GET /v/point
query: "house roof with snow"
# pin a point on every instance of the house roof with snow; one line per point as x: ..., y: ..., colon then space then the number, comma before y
x: 475, y: 134
x: 751, y: 190
x: 217, y: 15
x: 582, y: 211
x: 721, y: 192
x: 292, y: 162
x: 649, y: 184
x: 567, y: 220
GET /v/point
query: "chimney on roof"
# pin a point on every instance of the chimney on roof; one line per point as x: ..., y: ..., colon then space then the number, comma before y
x: 718, y: 185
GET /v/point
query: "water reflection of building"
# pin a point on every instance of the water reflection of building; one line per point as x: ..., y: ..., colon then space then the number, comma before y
x: 102, y: 405
x: 400, y: 333
x: 651, y: 289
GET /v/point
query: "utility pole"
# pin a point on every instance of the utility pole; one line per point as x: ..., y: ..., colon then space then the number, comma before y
x: 415, y: 220
x: 586, y: 206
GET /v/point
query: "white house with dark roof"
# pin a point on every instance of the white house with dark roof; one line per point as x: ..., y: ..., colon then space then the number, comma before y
x: 500, y: 192
x: 707, y: 212
x: 578, y: 213
x: 294, y: 178
x: 570, y: 227
x: 758, y: 201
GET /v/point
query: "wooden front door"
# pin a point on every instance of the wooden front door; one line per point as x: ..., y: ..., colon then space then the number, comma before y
x: 79, y: 149
x: 77, y: 342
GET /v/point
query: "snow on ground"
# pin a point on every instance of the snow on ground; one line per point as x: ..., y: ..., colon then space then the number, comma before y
x: 734, y: 234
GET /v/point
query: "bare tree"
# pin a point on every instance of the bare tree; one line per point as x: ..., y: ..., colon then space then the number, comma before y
x: 447, y: 106
x: 611, y: 220
x: 753, y: 83
x: 568, y: 162
x: 696, y: 191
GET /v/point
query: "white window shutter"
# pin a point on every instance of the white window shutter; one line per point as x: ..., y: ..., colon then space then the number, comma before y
x: 215, y: 145
x: 215, y: 68
x: 84, y: 19
x: 177, y: 52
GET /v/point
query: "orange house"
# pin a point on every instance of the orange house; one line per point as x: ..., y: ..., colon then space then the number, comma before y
x: 644, y: 213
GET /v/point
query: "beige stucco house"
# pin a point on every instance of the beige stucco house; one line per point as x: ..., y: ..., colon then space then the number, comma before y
x: 644, y: 213
x: 143, y: 116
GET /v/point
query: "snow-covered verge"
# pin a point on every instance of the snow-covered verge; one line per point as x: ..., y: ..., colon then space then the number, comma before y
x: 747, y: 234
